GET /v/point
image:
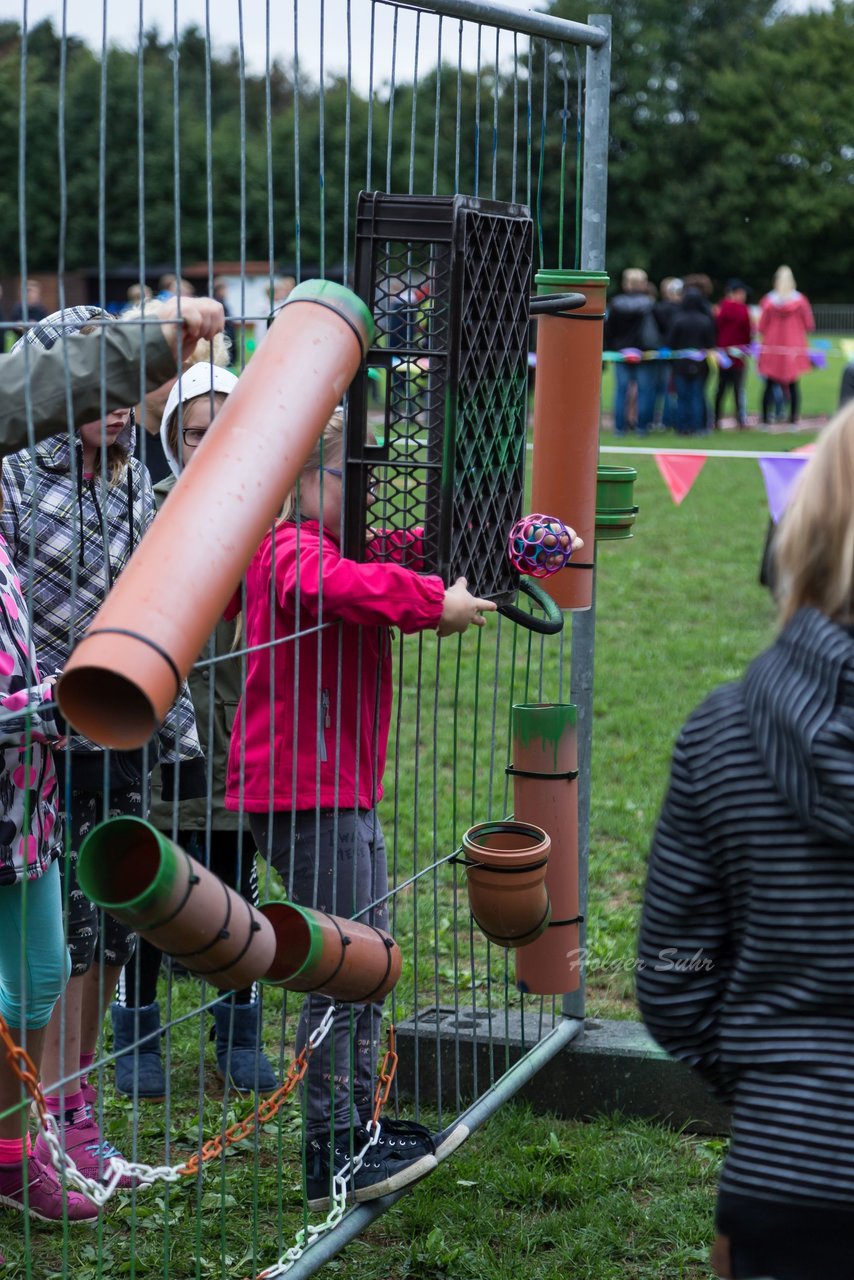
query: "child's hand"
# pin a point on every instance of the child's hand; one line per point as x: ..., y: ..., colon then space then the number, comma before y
x: 460, y: 608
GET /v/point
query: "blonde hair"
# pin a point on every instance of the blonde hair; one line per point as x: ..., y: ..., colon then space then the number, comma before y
x: 634, y: 279
x: 814, y: 546
x: 328, y: 451
x: 784, y: 281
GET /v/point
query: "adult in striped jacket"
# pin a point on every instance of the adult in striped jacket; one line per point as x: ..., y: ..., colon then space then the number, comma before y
x: 746, y: 953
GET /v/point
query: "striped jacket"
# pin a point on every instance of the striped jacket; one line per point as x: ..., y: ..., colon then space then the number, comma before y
x: 746, y: 953
x: 68, y: 518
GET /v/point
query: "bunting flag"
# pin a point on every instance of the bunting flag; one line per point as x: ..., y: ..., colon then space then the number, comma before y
x: 679, y: 471
x: 780, y: 475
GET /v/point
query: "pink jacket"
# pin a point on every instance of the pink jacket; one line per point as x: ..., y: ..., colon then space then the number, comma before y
x: 784, y: 322
x: 332, y: 687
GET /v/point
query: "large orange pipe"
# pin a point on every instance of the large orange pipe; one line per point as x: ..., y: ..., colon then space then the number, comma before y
x: 545, y: 791
x: 126, y: 671
x: 567, y: 400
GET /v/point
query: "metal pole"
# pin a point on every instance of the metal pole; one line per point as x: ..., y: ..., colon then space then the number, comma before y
x: 522, y: 21
x: 520, y: 1074
x: 593, y: 220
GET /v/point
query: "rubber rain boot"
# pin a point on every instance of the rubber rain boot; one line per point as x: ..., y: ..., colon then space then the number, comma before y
x: 244, y: 1063
x: 139, y: 1068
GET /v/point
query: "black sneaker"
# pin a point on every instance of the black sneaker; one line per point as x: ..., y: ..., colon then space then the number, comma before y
x: 408, y: 1138
x: 383, y: 1169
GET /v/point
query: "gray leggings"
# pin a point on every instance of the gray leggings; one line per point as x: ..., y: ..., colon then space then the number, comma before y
x: 336, y: 863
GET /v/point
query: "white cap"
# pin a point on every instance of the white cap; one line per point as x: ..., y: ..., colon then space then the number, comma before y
x: 200, y: 379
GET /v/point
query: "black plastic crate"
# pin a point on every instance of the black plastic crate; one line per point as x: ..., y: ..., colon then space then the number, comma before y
x: 448, y: 279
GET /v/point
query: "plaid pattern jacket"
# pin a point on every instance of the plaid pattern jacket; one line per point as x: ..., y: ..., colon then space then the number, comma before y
x: 68, y: 519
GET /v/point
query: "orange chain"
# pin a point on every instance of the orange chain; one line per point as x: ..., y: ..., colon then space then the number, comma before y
x: 388, y: 1070
x: 25, y: 1069
x: 26, y: 1073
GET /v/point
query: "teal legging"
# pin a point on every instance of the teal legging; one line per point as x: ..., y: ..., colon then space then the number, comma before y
x: 29, y: 990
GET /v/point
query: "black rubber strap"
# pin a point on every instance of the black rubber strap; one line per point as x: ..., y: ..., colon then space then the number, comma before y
x: 319, y: 302
x: 222, y: 932
x: 580, y: 564
x: 504, y: 940
x: 556, y: 924
x: 254, y: 927
x: 192, y: 880
x: 501, y: 871
x: 345, y: 942
x: 135, y: 635
x: 388, y: 943
x: 530, y: 773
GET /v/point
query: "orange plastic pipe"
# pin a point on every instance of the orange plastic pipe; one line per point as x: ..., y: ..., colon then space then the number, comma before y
x: 545, y: 791
x: 126, y: 671
x: 567, y: 399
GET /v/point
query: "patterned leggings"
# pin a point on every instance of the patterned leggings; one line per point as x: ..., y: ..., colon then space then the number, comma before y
x: 81, y: 915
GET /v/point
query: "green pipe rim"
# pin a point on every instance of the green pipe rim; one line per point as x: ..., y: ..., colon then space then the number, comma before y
x: 340, y: 298
x: 91, y: 852
x: 315, y: 943
x: 551, y: 277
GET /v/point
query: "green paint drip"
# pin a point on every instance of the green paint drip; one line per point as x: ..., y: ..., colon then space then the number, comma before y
x: 543, y: 721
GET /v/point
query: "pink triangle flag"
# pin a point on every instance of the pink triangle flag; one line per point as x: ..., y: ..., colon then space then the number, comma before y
x: 679, y: 471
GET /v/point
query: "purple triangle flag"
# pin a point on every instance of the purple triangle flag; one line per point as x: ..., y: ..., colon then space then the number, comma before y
x: 780, y: 474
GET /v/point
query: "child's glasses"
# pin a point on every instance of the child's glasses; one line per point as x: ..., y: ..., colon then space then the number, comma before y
x: 373, y: 482
x: 193, y: 436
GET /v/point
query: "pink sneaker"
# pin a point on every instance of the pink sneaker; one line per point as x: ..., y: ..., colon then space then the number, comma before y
x: 90, y: 1095
x: 45, y: 1197
x: 84, y: 1144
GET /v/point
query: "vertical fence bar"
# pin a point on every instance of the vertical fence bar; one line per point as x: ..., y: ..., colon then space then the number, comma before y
x: 593, y: 222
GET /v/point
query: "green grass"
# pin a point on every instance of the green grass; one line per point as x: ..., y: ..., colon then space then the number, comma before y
x: 679, y: 610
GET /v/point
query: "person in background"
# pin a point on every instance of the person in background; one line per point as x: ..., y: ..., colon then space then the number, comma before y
x: 630, y: 324
x: 35, y: 308
x: 702, y: 284
x: 785, y: 321
x: 138, y: 295
x: 693, y: 329
x: 201, y: 826
x: 666, y: 310
x: 733, y: 329
x: 746, y: 944
x: 149, y: 413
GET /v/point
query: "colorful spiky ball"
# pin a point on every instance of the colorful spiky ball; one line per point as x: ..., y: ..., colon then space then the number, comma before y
x: 539, y: 545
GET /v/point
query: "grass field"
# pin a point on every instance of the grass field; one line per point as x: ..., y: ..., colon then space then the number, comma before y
x: 679, y: 610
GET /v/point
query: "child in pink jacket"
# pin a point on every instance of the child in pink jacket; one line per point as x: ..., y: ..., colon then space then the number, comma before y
x: 319, y: 768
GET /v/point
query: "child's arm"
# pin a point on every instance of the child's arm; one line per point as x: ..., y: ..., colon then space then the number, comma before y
x: 375, y: 594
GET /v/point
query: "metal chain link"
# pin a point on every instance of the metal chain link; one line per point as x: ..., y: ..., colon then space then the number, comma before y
x: 308, y: 1234
x: 146, y: 1175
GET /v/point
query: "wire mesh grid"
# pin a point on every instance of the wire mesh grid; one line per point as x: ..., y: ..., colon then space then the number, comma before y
x: 446, y: 452
x: 235, y: 172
